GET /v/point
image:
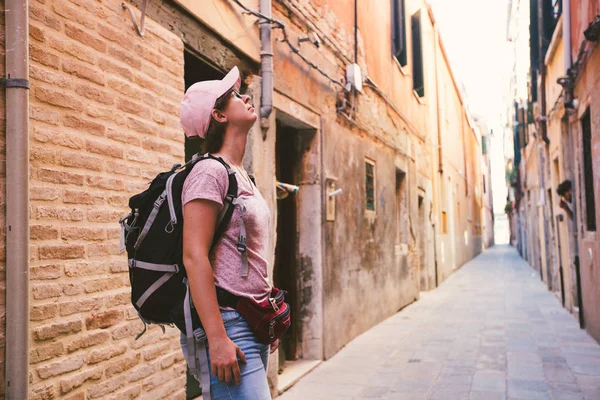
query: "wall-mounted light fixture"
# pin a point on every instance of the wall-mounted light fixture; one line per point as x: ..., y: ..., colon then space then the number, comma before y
x: 568, y: 84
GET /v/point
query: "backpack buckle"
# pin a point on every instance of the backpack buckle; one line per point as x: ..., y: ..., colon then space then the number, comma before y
x: 241, y: 244
x: 230, y: 199
x: 160, y: 200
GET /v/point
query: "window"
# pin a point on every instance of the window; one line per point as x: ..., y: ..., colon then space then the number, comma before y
x: 521, y: 119
x: 588, y: 171
x: 401, y: 208
x: 417, y: 52
x: 370, y: 184
x: 399, y: 31
x: 444, y: 223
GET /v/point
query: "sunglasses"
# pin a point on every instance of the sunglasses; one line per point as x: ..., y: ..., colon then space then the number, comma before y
x: 237, y: 94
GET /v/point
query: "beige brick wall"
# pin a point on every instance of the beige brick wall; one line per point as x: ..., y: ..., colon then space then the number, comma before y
x: 104, y: 121
x: 2, y: 206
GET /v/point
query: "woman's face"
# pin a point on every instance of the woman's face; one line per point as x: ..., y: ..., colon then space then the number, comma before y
x: 238, y: 111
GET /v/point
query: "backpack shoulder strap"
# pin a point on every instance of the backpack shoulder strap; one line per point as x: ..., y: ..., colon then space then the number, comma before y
x: 224, y: 216
x: 226, y: 213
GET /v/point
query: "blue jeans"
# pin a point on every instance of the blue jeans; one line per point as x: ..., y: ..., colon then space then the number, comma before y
x: 254, y: 385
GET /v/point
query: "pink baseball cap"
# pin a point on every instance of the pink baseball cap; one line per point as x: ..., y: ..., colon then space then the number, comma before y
x: 199, y: 101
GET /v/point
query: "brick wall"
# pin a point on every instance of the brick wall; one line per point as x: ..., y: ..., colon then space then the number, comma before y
x: 104, y: 121
x: 2, y: 206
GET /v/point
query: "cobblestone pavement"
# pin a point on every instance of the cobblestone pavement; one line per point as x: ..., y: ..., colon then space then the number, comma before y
x: 491, y: 331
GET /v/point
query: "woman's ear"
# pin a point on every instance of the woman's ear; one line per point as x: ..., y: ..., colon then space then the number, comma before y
x: 218, y: 116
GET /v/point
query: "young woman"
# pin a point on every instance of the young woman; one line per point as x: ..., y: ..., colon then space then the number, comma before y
x: 216, y: 111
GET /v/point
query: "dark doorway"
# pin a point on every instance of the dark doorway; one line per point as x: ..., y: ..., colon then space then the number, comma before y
x: 285, y: 270
x: 424, y: 270
x: 198, y: 69
x: 588, y: 172
x: 195, y: 70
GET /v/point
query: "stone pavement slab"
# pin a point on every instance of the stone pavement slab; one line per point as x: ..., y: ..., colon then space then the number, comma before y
x: 491, y: 331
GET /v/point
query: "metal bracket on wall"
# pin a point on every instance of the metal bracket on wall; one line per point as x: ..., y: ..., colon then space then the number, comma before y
x: 14, y: 83
x: 141, y: 28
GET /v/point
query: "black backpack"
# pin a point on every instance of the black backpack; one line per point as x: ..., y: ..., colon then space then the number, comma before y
x: 152, y: 234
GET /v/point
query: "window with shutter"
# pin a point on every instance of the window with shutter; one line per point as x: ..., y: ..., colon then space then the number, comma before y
x: 399, y: 31
x: 417, y: 50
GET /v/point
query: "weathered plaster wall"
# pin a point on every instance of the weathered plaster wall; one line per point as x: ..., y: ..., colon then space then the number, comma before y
x: 558, y: 153
x: 360, y: 268
x: 588, y: 93
x: 225, y: 17
x: 365, y: 279
x: 582, y: 13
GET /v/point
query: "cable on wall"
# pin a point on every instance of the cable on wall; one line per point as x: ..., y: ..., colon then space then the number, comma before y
x: 280, y: 25
x: 141, y: 28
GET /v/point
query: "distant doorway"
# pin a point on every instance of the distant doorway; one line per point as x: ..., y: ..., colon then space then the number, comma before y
x: 424, y: 270
x: 285, y: 270
x: 297, y: 254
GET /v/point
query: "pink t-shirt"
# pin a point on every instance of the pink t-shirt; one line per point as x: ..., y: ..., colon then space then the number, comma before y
x: 208, y: 180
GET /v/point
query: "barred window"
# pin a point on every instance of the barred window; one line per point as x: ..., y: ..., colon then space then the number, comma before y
x: 370, y: 184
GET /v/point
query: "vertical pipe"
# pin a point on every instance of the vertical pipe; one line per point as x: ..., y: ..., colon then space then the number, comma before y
x: 355, y: 31
x: 566, y: 16
x: 437, y: 98
x: 439, y: 153
x: 17, y: 200
x: 544, y: 205
x: 266, y: 66
x: 542, y: 53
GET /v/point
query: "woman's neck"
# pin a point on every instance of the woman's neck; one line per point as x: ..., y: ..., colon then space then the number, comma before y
x: 234, y: 148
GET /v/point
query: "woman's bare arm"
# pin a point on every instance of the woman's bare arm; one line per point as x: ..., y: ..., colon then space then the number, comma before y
x: 200, y: 218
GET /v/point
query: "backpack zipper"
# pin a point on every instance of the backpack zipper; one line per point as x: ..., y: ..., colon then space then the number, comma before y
x: 272, y: 323
x: 272, y: 329
x: 274, y: 304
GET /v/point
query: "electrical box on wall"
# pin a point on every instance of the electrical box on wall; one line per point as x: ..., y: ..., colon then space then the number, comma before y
x: 353, y: 78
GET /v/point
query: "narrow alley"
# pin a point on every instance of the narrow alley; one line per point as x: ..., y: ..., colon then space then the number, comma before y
x: 491, y: 331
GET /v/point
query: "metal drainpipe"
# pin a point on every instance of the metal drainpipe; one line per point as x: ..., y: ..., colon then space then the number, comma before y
x: 440, y: 165
x: 17, y: 199
x: 543, y: 122
x: 266, y: 65
x: 437, y: 90
x: 568, y: 62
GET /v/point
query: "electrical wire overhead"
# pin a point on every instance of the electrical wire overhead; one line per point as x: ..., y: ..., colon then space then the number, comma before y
x: 280, y: 25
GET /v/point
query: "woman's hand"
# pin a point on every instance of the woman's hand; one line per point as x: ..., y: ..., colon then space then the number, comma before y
x: 274, y: 346
x: 224, y: 360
